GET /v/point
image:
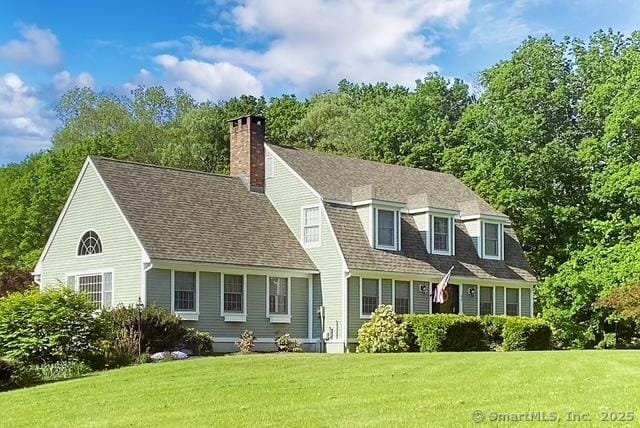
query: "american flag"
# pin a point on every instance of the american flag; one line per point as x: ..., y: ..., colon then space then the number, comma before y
x: 438, y: 296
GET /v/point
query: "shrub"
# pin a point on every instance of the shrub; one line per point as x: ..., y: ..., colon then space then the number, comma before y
x: 161, y: 330
x: 493, y: 326
x: 47, y: 327
x: 145, y: 358
x: 247, y: 342
x: 609, y: 341
x: 6, y: 372
x: 384, y: 332
x: 123, y: 350
x: 285, y: 343
x: 200, y: 342
x: 60, y: 371
x: 526, y: 334
x: 447, y: 332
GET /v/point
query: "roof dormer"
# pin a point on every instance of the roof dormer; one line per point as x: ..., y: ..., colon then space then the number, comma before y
x: 487, y: 234
x: 381, y: 219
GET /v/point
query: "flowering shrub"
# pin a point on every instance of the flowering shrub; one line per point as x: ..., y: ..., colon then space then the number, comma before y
x: 385, y: 332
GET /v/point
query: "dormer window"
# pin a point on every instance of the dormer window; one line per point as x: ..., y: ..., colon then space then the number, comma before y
x: 442, y: 240
x: 387, y: 229
x: 492, y: 240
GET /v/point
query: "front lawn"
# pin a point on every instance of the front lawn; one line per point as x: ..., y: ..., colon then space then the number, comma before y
x: 328, y: 390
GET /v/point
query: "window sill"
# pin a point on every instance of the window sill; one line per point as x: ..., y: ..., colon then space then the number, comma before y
x: 280, y: 319
x: 235, y: 317
x: 441, y: 253
x: 492, y: 257
x: 365, y: 317
x: 386, y: 248
x: 188, y: 316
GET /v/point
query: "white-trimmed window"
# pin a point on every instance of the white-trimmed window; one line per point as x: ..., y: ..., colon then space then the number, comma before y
x: 369, y: 296
x: 441, y: 234
x: 97, y: 286
x: 234, y: 298
x: 512, y: 301
x: 492, y: 240
x: 402, y: 297
x: 269, y: 166
x: 90, y: 244
x: 279, y: 300
x: 184, y: 295
x: 311, y: 226
x: 387, y: 229
x: 486, y: 300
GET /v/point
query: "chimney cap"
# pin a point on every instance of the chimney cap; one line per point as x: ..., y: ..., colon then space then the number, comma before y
x: 247, y: 116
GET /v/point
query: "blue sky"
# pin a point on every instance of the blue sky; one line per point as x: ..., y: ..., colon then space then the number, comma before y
x: 221, y: 48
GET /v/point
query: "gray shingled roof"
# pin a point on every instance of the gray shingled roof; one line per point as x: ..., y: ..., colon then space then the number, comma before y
x: 199, y: 217
x: 344, y: 179
x: 414, y: 258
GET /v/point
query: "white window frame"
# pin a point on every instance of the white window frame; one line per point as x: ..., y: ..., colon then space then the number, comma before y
x: 500, y: 255
x: 317, y: 243
x: 185, y: 315
x: 393, y: 294
x: 234, y: 316
x: 519, y: 300
x: 86, y: 256
x: 451, y: 242
x: 279, y: 318
x: 396, y: 229
x: 362, y: 314
x: 269, y: 166
x: 493, y: 298
x: 93, y: 272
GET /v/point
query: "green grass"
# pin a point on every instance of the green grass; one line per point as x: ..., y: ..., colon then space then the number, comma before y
x: 336, y: 390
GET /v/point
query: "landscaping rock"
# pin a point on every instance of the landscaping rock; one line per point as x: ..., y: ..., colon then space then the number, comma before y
x: 158, y: 356
x: 179, y: 355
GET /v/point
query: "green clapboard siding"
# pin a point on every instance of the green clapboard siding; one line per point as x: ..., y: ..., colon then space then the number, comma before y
x: 353, y: 310
x: 159, y: 288
x: 420, y: 301
x: 469, y: 303
x: 91, y: 208
x: 387, y: 292
x: 318, y: 328
x: 499, y: 300
x: 288, y: 194
x: 210, y: 320
x: 526, y: 302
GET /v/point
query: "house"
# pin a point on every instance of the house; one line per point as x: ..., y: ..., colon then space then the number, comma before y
x: 293, y: 241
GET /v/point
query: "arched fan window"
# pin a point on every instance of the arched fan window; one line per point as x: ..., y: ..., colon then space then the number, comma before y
x: 90, y: 244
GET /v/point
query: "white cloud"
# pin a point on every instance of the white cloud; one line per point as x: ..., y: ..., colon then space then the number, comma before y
x: 315, y: 43
x: 502, y: 22
x: 37, y: 46
x: 64, y: 81
x: 26, y: 124
x: 203, y: 80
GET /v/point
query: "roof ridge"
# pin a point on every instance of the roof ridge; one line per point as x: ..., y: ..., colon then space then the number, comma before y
x: 315, y: 152
x: 149, y: 165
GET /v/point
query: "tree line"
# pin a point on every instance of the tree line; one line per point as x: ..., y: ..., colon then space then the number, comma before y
x: 552, y: 139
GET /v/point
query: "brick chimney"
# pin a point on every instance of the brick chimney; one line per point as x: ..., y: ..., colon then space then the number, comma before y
x: 246, y: 151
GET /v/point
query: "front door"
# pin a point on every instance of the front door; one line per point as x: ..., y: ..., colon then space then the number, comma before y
x: 451, y: 300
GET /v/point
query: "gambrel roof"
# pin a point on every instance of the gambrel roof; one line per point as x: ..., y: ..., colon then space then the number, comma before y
x: 347, y: 180
x: 414, y: 257
x: 182, y: 215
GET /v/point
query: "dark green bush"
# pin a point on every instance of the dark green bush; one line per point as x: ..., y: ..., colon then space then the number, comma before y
x: 447, y: 332
x: 526, y: 334
x: 161, y: 330
x: 47, y: 327
x: 384, y: 332
x: 200, y: 342
x: 493, y: 326
x: 6, y: 372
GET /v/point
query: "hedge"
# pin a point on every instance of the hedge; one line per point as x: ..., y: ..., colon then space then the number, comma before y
x: 447, y: 332
x: 526, y: 334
